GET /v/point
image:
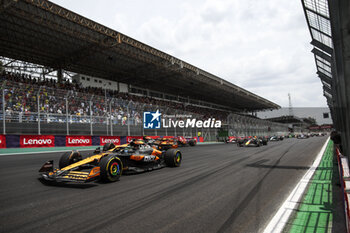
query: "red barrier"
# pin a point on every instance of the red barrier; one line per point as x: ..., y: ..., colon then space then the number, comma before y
x: 344, y: 173
x: 110, y: 139
x: 27, y: 141
x: 78, y: 141
x: 2, y: 141
x: 37, y: 141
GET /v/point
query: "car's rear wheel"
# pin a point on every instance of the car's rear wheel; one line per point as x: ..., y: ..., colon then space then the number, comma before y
x: 69, y: 158
x: 173, y: 158
x: 108, y: 146
x: 111, y: 168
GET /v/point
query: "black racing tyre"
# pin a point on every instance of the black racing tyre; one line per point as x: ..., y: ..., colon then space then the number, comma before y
x: 192, y: 142
x: 264, y: 142
x: 69, y: 158
x: 173, y: 158
x: 111, y: 168
x: 108, y: 146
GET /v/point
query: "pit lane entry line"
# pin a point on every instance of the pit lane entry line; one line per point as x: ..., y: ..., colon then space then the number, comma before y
x: 278, y: 222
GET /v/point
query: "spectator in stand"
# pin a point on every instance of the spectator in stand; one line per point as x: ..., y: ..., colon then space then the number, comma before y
x: 22, y: 92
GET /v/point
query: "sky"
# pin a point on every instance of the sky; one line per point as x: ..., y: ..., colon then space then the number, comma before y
x: 262, y: 46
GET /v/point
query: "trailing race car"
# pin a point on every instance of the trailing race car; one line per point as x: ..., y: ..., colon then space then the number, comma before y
x: 249, y: 142
x: 165, y: 143
x: 302, y: 136
x: 111, y: 163
x: 276, y: 138
x: 232, y: 139
x: 184, y: 141
x: 263, y: 140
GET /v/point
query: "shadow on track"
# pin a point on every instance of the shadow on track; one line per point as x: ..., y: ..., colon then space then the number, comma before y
x: 249, y: 197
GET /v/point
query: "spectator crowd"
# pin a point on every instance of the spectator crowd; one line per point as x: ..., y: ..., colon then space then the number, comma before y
x: 25, y: 94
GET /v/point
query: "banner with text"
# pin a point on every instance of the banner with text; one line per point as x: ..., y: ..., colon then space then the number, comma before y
x: 37, y: 141
x: 109, y: 139
x: 78, y: 141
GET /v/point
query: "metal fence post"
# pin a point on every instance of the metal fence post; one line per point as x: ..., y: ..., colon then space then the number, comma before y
x: 106, y: 122
x: 127, y: 119
x: 67, y: 120
x: 90, y: 108
x: 67, y: 110
x: 3, y: 109
x: 38, y: 100
x: 110, y: 115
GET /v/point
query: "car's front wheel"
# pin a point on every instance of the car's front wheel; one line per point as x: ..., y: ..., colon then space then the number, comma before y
x: 111, y: 168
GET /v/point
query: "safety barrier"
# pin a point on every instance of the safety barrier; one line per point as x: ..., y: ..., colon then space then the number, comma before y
x: 344, y: 174
x: 29, y: 141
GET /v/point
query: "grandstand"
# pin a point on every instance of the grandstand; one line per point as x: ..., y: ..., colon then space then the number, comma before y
x: 328, y: 23
x: 139, y: 77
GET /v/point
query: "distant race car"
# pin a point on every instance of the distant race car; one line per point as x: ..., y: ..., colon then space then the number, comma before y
x: 111, y: 163
x: 302, y: 136
x: 184, y: 141
x: 232, y: 139
x: 249, y: 142
x: 167, y: 143
x: 264, y: 140
x: 164, y: 143
x: 276, y: 138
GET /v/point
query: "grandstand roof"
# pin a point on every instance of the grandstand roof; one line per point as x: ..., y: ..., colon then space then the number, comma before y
x: 41, y: 32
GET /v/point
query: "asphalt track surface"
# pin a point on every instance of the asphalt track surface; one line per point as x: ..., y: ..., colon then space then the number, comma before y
x: 218, y: 188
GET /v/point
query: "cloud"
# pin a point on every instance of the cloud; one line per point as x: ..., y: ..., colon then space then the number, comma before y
x: 262, y: 46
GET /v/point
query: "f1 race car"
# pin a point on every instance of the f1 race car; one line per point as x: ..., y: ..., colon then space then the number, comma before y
x: 184, y: 141
x: 232, y: 139
x: 163, y: 143
x: 302, y: 136
x: 167, y: 143
x: 111, y: 163
x: 250, y: 142
x: 276, y: 138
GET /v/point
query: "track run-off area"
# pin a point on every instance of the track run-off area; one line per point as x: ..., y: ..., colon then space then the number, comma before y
x: 218, y: 188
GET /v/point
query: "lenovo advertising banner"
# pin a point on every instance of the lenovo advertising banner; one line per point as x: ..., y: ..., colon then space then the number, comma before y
x: 109, y: 139
x: 26, y: 141
x: 2, y: 141
x: 78, y: 141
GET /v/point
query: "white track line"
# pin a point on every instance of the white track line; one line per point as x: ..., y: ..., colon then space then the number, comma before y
x: 280, y: 219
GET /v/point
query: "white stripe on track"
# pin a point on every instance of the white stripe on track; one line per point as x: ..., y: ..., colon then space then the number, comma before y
x: 278, y: 222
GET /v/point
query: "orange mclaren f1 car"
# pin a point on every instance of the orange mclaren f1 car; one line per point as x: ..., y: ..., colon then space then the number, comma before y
x: 110, y: 163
